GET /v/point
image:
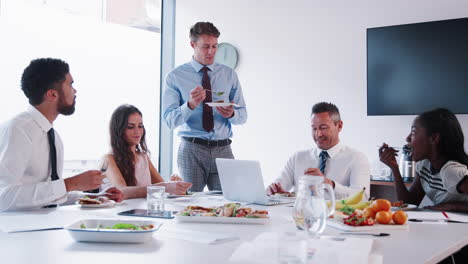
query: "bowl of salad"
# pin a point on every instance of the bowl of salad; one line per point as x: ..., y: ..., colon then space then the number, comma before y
x: 113, y: 230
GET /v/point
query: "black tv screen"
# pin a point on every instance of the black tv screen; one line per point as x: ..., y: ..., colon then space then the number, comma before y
x: 417, y: 67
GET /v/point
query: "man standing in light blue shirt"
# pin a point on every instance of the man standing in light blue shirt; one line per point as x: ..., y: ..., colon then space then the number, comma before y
x: 205, y: 131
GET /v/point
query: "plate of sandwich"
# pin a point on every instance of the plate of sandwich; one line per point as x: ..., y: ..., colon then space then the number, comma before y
x: 231, y: 213
x: 98, y: 202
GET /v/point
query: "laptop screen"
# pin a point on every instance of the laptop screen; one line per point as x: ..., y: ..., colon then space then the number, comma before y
x: 241, y: 180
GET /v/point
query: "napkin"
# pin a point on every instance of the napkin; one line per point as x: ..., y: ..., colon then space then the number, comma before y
x: 33, y: 221
x: 196, y: 236
x: 323, y: 250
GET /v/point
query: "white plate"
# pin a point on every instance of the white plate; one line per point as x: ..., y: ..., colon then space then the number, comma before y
x: 375, y: 227
x: 110, y: 203
x: 222, y: 220
x: 92, y: 234
x: 222, y: 104
x: 279, y: 197
x: 285, y: 198
x: 179, y: 195
x: 408, y: 208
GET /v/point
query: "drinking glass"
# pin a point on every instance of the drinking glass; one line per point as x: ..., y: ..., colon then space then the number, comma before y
x: 310, y: 208
x: 292, y: 248
x: 155, y: 198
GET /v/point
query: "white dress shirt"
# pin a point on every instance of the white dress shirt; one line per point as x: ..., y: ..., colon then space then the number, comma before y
x: 347, y: 167
x: 25, y: 170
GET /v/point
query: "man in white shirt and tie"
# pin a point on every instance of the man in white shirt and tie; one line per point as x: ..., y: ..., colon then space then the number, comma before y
x: 345, y: 169
x: 31, y: 152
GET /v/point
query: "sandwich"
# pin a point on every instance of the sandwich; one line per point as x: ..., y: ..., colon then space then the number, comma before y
x: 229, y: 209
x: 97, y: 200
x: 258, y: 214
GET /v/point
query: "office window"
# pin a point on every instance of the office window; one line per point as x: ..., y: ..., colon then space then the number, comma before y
x: 111, y: 63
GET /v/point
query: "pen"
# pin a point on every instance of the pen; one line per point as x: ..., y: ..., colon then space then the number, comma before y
x: 425, y: 220
x: 445, y: 214
x: 436, y: 221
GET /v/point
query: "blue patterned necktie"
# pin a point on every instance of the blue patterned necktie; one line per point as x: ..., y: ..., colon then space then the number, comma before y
x: 323, y: 160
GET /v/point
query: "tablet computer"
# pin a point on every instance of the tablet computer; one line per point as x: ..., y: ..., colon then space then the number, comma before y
x: 144, y: 213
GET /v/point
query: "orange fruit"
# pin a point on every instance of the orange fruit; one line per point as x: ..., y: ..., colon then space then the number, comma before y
x: 380, y: 205
x: 399, y: 217
x: 368, y: 213
x: 383, y: 217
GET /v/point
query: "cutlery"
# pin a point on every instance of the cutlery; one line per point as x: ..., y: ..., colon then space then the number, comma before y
x: 217, y: 93
x: 37, y: 229
x: 104, y: 165
x: 391, y: 147
x: 366, y: 234
x: 436, y: 220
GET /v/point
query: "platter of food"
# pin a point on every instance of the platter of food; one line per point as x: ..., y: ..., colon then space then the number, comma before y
x: 339, y: 224
x: 355, y: 214
x: 231, y: 213
x: 113, y: 231
x: 98, y: 202
x: 400, y: 205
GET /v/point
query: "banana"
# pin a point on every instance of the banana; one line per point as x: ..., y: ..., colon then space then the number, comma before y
x: 355, y: 198
x: 361, y: 205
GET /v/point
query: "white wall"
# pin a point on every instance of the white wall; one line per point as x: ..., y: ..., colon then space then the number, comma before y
x: 111, y: 65
x: 298, y: 52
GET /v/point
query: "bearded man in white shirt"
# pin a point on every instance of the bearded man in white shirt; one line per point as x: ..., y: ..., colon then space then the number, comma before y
x: 31, y: 152
x: 345, y: 169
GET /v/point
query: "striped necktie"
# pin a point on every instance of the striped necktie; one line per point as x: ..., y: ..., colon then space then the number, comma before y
x: 208, y: 123
x: 323, y: 160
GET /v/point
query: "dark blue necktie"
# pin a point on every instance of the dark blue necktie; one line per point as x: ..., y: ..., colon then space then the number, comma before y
x: 323, y: 160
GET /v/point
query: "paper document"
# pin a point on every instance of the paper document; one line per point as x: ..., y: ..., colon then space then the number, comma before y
x: 196, y: 236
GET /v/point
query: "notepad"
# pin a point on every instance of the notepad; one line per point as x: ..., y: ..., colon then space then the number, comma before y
x: 196, y: 236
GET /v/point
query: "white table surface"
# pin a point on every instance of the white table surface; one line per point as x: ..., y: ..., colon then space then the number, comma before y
x: 421, y: 243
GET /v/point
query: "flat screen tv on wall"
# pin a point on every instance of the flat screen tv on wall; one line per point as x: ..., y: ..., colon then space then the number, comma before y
x: 417, y: 67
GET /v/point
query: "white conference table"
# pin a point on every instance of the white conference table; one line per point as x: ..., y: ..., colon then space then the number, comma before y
x: 421, y: 243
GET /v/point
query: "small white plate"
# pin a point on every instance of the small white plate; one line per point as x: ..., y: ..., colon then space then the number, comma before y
x: 110, y: 203
x: 222, y: 104
x: 408, y: 208
x: 94, y: 234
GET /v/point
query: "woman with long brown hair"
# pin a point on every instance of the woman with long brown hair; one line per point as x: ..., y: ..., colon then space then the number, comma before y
x: 129, y: 167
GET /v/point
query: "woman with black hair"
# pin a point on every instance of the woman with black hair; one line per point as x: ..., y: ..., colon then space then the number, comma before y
x: 129, y: 167
x: 437, y: 145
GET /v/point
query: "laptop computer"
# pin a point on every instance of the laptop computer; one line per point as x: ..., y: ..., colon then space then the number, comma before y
x: 242, y: 181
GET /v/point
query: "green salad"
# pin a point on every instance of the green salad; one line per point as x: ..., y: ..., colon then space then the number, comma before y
x: 124, y: 226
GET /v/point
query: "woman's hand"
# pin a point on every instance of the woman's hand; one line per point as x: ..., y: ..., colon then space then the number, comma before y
x: 450, y: 207
x: 176, y: 187
x: 114, y: 194
x: 387, y: 156
x: 176, y: 177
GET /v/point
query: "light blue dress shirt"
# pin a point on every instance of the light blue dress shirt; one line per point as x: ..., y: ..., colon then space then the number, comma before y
x: 183, y: 79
